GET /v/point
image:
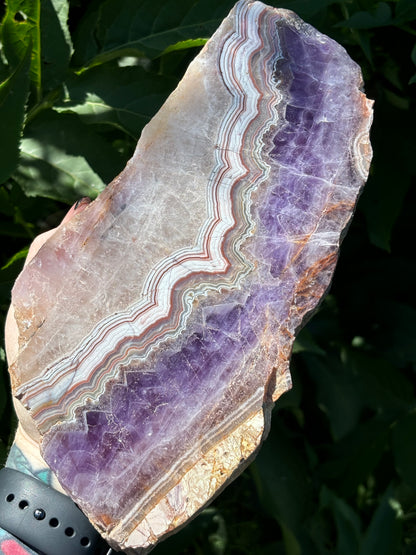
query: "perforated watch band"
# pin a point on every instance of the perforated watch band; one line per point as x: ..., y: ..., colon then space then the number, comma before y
x: 44, y: 519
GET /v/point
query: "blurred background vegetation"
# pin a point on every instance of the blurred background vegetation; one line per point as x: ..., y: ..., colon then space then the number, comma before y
x: 337, y: 474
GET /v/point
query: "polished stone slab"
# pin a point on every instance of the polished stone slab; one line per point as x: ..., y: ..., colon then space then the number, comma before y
x: 156, y: 327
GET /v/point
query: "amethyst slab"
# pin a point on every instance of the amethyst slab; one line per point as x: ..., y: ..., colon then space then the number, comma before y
x: 155, y: 328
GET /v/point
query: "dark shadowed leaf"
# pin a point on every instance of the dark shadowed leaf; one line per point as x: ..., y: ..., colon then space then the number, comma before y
x: 305, y: 8
x: 388, y: 183
x: 13, y: 95
x: 63, y: 159
x: 146, y: 28
x: 413, y: 56
x: 379, y: 16
x: 83, y: 37
x: 6, y: 207
x: 283, y: 482
x: 353, y: 458
x: 405, y: 11
x: 380, y: 385
x: 336, y: 393
x: 395, y: 336
x: 305, y: 342
x: 292, y: 397
x: 383, y: 536
x: 404, y: 448
x: 128, y: 106
x: 291, y: 544
x: 347, y: 522
x: 56, y: 46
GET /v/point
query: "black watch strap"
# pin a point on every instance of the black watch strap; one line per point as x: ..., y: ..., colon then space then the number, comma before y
x: 44, y: 519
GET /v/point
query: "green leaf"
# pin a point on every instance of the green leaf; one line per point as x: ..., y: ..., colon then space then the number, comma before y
x: 292, y: 546
x: 84, y: 36
x: 383, y: 536
x: 404, y: 448
x: 349, y: 462
x: 346, y: 520
x: 405, y: 11
x: 292, y: 398
x: 6, y: 206
x: 44, y: 25
x: 4, y: 66
x: 395, y: 332
x: 387, y: 187
x: 380, y: 16
x: 380, y: 384
x: 64, y: 160
x: 305, y: 8
x: 56, y: 45
x: 3, y: 391
x: 13, y: 95
x: 282, y: 478
x: 145, y: 28
x: 413, y: 54
x: 18, y: 256
x: 305, y: 342
x: 20, y: 29
x: 218, y: 538
x: 184, y: 45
x: 413, y: 57
x: 336, y: 393
x: 128, y: 106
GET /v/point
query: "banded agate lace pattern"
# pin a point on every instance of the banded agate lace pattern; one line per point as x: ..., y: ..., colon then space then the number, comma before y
x: 156, y: 327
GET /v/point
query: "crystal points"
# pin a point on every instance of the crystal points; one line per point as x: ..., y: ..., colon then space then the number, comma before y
x: 156, y: 326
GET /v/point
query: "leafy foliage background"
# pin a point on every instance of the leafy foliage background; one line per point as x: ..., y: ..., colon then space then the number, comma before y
x: 337, y: 474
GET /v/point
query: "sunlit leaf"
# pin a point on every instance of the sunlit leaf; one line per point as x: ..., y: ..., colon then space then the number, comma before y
x: 145, y: 28
x: 184, y: 45
x: 63, y: 159
x: 18, y: 256
x: 21, y: 30
x: 129, y: 106
x: 43, y: 25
